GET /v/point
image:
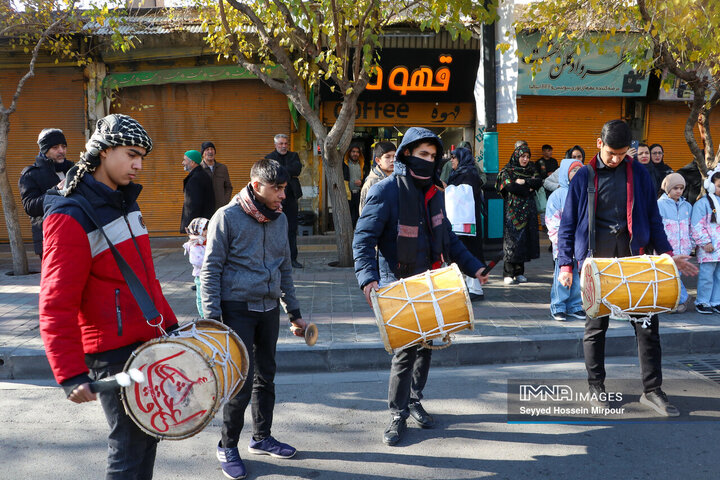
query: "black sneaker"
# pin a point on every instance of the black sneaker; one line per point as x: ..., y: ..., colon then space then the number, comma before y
x: 579, y: 315
x: 704, y: 309
x: 559, y: 316
x: 715, y: 308
x: 598, y: 396
x: 421, y: 417
x: 296, y: 264
x: 394, y: 431
x: 658, y: 401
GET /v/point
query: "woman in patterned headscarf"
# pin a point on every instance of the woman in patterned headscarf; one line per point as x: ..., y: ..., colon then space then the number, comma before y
x: 517, y: 183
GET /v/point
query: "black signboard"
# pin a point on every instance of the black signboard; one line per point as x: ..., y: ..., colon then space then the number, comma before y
x: 417, y: 75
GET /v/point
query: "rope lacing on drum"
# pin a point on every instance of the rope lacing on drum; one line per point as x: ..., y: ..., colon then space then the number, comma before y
x: 626, y: 282
x: 220, y: 356
x: 443, y: 329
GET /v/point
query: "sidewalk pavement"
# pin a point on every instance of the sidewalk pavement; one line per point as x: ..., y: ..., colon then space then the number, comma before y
x: 512, y: 324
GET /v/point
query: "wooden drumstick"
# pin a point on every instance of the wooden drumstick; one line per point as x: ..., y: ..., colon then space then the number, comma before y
x: 311, y: 333
x: 118, y: 381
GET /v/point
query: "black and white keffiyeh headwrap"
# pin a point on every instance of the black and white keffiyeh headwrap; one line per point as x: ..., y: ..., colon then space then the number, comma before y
x: 115, y: 130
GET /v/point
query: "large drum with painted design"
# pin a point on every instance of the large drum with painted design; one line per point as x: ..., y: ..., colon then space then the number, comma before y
x: 423, y: 307
x: 641, y: 285
x: 190, y: 374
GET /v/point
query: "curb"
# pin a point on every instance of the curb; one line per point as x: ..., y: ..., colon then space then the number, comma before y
x: 344, y: 357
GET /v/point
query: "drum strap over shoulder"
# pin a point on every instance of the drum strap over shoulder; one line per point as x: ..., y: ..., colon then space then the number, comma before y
x: 136, y: 287
x: 591, y: 210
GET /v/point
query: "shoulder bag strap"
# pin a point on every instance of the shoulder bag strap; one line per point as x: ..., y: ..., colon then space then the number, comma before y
x: 591, y: 210
x: 136, y: 287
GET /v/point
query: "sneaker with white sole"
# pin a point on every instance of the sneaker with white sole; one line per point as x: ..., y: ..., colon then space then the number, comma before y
x: 510, y: 281
x: 704, y: 309
x: 231, y: 463
x: 579, y: 315
x: 270, y: 446
x: 658, y: 401
x: 559, y: 316
x: 521, y: 279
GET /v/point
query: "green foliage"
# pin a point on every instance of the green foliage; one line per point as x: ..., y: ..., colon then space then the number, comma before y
x: 680, y: 36
x: 313, y: 40
x: 57, y: 28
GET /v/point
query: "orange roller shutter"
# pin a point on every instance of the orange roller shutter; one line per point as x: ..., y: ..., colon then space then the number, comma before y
x: 53, y: 98
x: 240, y: 117
x: 558, y: 121
x: 666, y: 126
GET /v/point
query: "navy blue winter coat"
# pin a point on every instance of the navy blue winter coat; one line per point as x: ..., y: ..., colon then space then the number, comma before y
x: 645, y: 223
x: 378, y: 226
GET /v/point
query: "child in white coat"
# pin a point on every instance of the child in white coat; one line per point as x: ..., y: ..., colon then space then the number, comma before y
x: 195, y: 250
x: 676, y: 212
x: 705, y: 232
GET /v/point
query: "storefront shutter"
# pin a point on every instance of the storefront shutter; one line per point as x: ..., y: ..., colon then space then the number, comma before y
x: 666, y: 126
x: 239, y: 116
x: 53, y: 98
x: 558, y: 121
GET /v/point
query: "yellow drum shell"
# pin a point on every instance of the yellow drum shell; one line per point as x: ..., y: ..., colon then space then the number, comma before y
x: 630, y: 283
x: 407, y: 314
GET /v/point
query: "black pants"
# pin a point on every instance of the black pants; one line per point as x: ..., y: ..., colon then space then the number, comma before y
x: 513, y: 269
x: 290, y: 209
x: 259, y: 333
x: 648, y: 343
x: 131, y: 452
x: 408, y: 376
x: 354, y: 204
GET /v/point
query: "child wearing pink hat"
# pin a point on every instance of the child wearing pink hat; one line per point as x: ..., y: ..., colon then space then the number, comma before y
x: 676, y: 212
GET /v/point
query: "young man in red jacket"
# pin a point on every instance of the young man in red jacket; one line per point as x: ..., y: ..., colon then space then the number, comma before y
x: 89, y: 320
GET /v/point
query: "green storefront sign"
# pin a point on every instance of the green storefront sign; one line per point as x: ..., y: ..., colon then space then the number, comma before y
x: 567, y: 73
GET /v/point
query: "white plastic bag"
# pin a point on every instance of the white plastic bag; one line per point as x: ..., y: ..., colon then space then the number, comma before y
x: 460, y: 207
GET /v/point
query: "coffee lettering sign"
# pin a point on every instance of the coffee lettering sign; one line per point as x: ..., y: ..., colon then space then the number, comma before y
x: 403, y: 113
x: 422, y: 79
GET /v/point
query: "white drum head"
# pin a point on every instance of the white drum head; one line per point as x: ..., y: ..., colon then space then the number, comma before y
x: 180, y: 395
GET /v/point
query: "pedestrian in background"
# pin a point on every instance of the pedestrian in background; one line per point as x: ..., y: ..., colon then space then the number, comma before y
x: 564, y: 302
x: 660, y: 169
x: 194, y: 248
x: 48, y: 170
x: 552, y: 182
x: 290, y: 161
x: 198, y: 194
x: 705, y: 232
x: 383, y: 164
x: 218, y: 173
x: 517, y: 182
x: 464, y: 172
x: 676, y: 213
x: 353, y: 168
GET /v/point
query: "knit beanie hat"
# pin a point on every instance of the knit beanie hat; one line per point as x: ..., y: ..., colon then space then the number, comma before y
x: 672, y: 181
x: 49, y: 137
x: 205, y: 146
x: 194, y: 155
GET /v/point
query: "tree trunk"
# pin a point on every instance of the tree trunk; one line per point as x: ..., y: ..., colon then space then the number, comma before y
x: 17, y: 248
x: 332, y: 166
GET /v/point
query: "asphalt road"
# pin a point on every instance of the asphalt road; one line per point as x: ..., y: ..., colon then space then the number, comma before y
x: 336, y: 422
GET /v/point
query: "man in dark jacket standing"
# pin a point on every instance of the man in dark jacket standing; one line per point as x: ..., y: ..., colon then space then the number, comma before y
x: 48, y: 170
x: 293, y: 192
x: 197, y: 189
x: 219, y: 175
x: 626, y: 221
x: 404, y: 218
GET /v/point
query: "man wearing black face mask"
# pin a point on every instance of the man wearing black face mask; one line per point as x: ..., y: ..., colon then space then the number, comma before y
x: 403, y: 217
